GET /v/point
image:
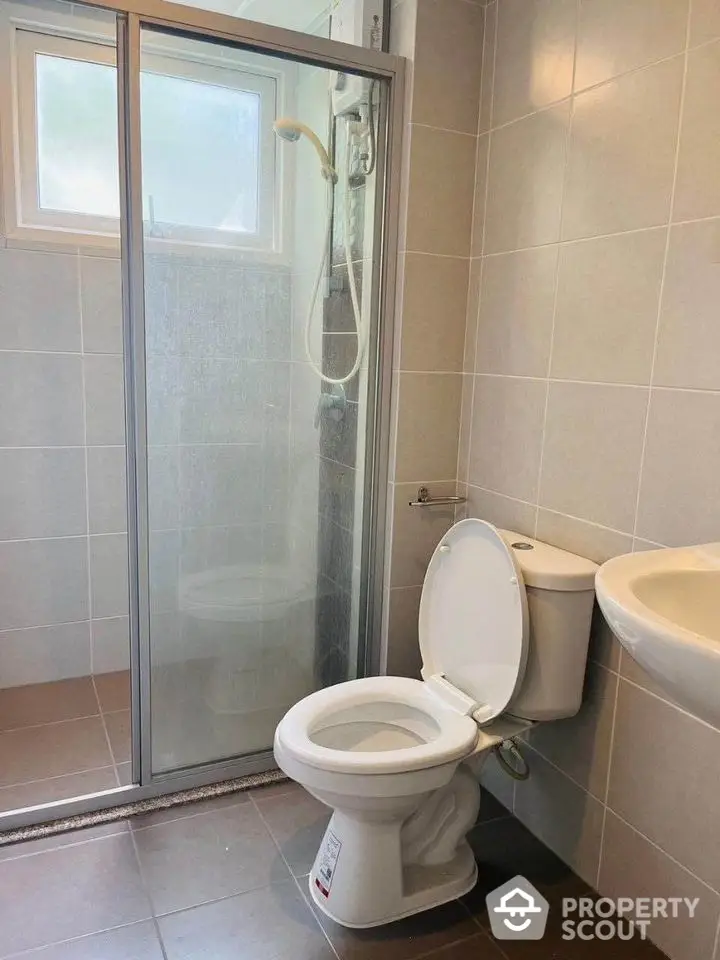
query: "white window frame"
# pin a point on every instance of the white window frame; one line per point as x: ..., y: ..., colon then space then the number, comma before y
x: 22, y: 41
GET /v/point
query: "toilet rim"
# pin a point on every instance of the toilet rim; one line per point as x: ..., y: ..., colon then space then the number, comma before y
x: 456, y: 738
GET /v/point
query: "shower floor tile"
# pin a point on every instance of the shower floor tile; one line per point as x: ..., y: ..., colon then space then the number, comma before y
x: 218, y: 877
x: 63, y: 739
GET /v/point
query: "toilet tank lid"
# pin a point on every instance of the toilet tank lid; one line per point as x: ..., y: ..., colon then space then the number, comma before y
x: 550, y: 568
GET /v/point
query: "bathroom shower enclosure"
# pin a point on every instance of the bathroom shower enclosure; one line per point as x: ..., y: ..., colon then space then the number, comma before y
x: 240, y: 181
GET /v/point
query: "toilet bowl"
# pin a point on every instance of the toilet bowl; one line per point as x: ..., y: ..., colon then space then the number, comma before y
x: 504, y: 626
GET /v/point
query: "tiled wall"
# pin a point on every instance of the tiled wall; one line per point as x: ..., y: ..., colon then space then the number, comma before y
x: 442, y: 40
x: 591, y: 394
x: 63, y: 600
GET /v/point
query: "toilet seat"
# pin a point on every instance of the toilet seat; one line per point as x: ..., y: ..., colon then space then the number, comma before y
x: 340, y: 728
x: 473, y: 637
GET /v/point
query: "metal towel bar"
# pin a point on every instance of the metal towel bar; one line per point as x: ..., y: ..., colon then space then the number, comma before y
x: 425, y: 500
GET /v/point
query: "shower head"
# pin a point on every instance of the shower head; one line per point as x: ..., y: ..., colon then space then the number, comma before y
x: 291, y: 130
x: 287, y: 129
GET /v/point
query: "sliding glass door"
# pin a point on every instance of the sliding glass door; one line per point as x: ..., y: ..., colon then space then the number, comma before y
x: 260, y: 192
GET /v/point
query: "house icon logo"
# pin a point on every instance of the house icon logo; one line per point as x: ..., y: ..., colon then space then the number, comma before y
x: 517, y: 911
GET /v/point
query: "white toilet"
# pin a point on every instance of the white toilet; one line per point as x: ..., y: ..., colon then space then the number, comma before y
x: 504, y: 629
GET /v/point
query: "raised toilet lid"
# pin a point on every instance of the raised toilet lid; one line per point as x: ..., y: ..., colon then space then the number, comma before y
x: 473, y: 626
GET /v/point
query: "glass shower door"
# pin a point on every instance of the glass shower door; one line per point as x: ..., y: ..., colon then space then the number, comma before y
x: 258, y: 295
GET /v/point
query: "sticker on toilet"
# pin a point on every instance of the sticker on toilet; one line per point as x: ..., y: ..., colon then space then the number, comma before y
x: 326, y: 863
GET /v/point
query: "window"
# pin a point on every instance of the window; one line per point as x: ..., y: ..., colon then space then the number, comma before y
x: 208, y: 149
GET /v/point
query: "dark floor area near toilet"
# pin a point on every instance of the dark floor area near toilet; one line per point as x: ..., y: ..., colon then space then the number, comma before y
x: 226, y: 879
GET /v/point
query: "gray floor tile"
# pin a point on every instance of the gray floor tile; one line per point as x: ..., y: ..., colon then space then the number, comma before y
x: 113, y: 690
x: 404, y: 939
x: 70, y: 838
x: 118, y: 728
x: 58, y: 788
x: 184, y: 810
x: 203, y: 858
x: 268, y: 924
x: 52, y: 750
x: 70, y: 892
x: 38, y: 703
x: 137, y: 942
x: 297, y: 821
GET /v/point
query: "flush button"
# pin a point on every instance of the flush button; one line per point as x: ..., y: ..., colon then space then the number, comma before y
x: 522, y: 545
x: 445, y: 548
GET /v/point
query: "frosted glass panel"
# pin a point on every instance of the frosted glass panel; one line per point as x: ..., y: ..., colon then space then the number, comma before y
x: 77, y: 136
x: 200, y: 154
x: 255, y: 463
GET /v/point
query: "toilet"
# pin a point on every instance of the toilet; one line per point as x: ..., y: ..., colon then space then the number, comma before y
x: 504, y: 627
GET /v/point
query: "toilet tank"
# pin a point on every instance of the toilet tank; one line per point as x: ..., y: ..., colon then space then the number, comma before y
x: 560, y: 593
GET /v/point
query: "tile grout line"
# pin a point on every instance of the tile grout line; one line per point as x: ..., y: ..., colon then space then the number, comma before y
x: 716, y: 945
x: 664, y: 852
x: 556, y: 280
x: 611, y: 748
x: 146, y: 890
x: 38, y: 951
x: 295, y: 879
x: 604, y: 83
x: 587, y: 239
x: 491, y: 82
x: 107, y: 734
x: 661, y: 291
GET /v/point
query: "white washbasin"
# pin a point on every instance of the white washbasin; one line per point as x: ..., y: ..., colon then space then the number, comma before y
x: 664, y: 608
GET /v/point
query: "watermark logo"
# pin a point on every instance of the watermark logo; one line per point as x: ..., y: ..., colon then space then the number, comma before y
x: 602, y: 918
x: 517, y: 911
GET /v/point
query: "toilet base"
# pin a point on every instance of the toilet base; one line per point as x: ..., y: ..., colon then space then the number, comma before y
x: 358, y: 878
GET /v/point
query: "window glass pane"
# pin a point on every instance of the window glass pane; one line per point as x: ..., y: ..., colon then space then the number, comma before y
x: 185, y: 182
x: 77, y: 136
x: 200, y: 154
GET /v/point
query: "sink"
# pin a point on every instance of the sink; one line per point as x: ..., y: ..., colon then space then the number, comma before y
x: 664, y: 608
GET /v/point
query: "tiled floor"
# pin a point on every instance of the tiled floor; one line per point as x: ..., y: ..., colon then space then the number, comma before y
x: 226, y: 880
x: 63, y: 739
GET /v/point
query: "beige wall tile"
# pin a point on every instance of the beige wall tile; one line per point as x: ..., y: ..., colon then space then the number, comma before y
x: 468, y: 382
x: 704, y: 21
x: 442, y: 174
x: 607, y: 307
x: 416, y: 532
x: 448, y: 31
x: 427, y: 430
x: 580, y: 746
x: 632, y: 671
x: 478, y: 228
x: 403, y: 652
x: 652, y: 793
x: 503, y: 512
x: 578, y: 536
x: 488, y: 67
x: 517, y: 300
x: 561, y: 814
x: 434, y: 305
x: 633, y: 867
x: 471, y: 322
x: 679, y: 502
x: 525, y: 179
x: 619, y: 35
x: 622, y: 153
x: 507, y: 435
x: 697, y: 193
x: 689, y: 334
x: 591, y: 455
x: 604, y: 646
x: 534, y: 58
